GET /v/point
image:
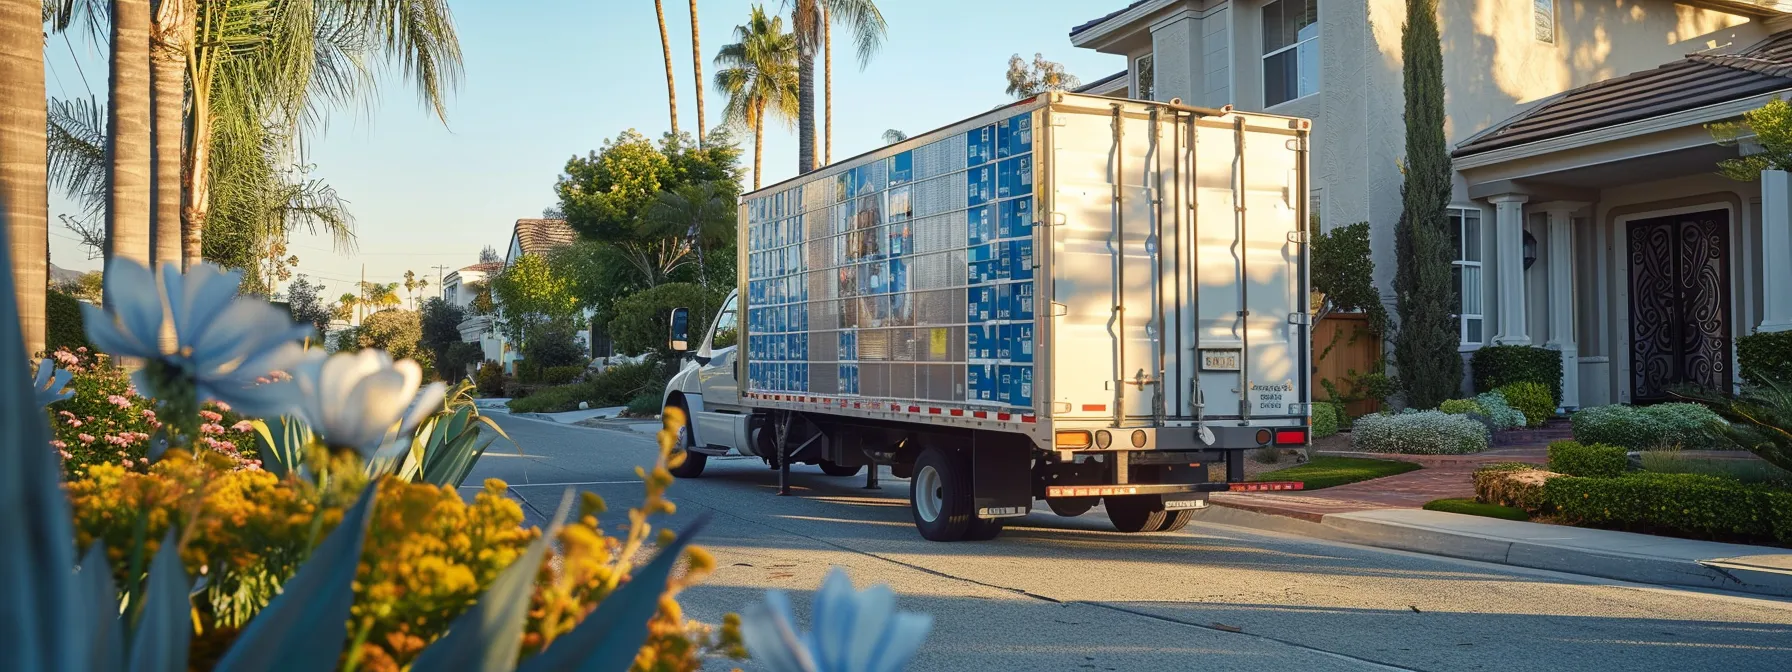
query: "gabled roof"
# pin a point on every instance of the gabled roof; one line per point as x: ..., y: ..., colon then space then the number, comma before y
x: 1100, y: 83
x: 538, y: 236
x: 483, y: 267
x: 1692, y: 82
x: 1104, y: 18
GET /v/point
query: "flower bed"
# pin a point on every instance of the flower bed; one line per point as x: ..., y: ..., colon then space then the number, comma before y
x: 105, y: 420
x: 1420, y: 433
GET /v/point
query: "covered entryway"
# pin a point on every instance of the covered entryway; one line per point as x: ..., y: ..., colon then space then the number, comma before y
x: 1680, y: 322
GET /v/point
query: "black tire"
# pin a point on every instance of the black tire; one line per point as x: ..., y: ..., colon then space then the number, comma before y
x: 694, y: 462
x: 1071, y: 507
x: 983, y: 529
x: 1136, y: 513
x: 833, y: 469
x: 1176, y: 520
x: 948, y: 475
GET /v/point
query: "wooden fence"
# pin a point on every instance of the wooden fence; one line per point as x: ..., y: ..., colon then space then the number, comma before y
x: 1344, y: 346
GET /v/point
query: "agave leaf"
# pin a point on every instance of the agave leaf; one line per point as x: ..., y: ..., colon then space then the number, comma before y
x: 98, y: 591
x: 165, y: 625
x: 455, y: 459
x: 488, y: 636
x: 466, y: 469
x: 283, y: 443
x: 305, y: 628
x: 610, y: 637
x: 43, y: 620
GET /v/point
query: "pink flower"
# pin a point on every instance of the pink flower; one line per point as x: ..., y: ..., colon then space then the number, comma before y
x: 211, y: 428
x: 81, y: 349
x: 85, y: 438
x: 65, y: 454
x: 118, y: 401
x: 210, y: 416
x: 66, y: 414
x: 222, y: 406
x: 66, y: 358
x: 58, y: 444
x: 149, y: 414
x: 242, y: 426
x: 74, y: 423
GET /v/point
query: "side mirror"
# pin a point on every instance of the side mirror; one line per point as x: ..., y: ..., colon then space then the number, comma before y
x: 680, y: 330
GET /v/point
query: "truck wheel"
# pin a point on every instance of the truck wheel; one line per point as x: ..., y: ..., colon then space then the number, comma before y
x: 1136, y: 513
x: 694, y: 462
x: 939, y: 495
x: 833, y: 469
x: 983, y: 529
x: 1176, y: 520
x: 1071, y: 507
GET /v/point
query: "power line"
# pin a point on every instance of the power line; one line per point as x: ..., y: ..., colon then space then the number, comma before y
x: 72, y: 57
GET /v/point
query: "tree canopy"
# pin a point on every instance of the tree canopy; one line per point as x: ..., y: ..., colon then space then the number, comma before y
x: 609, y: 196
x: 530, y: 292
x: 305, y: 301
x: 1026, y: 79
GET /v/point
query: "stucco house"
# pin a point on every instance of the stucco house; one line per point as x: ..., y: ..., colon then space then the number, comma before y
x: 1589, y: 214
x: 527, y: 236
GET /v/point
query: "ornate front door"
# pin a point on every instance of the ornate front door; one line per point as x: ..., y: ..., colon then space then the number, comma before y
x: 1679, y: 303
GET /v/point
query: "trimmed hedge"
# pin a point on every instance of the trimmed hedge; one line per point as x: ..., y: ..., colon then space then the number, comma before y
x: 1513, y: 484
x: 561, y: 375
x: 1596, y: 460
x: 1692, y: 505
x: 63, y: 325
x: 1421, y: 433
x: 489, y: 380
x: 1685, y: 425
x: 1461, y: 407
x: 1327, y: 417
x: 616, y: 386
x: 1501, y: 365
x: 1531, y: 399
x: 1765, y: 356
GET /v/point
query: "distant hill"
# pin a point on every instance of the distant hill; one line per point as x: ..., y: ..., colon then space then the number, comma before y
x: 59, y: 275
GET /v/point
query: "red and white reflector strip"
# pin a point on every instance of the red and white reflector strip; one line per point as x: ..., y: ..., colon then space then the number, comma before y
x: 1268, y: 486
x: 1090, y: 490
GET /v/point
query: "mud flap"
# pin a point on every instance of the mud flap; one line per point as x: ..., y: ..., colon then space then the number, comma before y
x: 1001, y: 475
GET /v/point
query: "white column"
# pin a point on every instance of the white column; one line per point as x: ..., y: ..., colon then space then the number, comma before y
x: 1561, y: 297
x: 1776, y: 250
x: 1508, y: 275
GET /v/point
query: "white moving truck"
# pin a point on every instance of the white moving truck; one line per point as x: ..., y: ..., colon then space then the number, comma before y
x: 1073, y: 299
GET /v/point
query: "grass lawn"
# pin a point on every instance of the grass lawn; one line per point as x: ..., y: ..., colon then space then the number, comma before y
x: 1474, y: 508
x: 1325, y: 472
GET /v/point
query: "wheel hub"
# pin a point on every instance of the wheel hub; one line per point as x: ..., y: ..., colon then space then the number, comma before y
x: 930, y: 498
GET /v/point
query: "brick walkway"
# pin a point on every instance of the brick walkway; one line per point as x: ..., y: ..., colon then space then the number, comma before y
x: 1443, y: 476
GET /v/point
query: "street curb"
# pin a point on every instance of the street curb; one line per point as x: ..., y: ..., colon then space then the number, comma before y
x: 1431, y: 541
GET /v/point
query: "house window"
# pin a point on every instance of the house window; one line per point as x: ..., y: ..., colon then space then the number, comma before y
x: 1465, y: 230
x: 1290, y: 50
x: 1144, y: 80
x: 1543, y: 18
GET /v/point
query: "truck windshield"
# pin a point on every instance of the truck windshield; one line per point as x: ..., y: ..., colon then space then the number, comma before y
x: 726, y: 334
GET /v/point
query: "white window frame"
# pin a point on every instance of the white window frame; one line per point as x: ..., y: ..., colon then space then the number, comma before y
x: 1263, y: 71
x: 1458, y: 259
x: 1144, y: 78
x: 1543, y: 21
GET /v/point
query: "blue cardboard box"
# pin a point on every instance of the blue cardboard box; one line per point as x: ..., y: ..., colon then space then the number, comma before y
x: 1020, y: 348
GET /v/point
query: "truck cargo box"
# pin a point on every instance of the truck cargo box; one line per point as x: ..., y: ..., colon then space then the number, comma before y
x: 1066, y: 262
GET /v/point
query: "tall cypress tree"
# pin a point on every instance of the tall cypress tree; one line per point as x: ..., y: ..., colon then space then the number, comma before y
x: 1425, y: 348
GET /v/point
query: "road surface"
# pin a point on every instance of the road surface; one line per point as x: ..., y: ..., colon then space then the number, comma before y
x: 1058, y: 593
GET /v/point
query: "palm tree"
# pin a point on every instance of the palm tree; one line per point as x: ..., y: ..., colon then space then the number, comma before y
x: 345, y: 306
x: 24, y: 198
x: 127, y: 135
x: 171, y: 36
x: 659, y: 9
x: 697, y: 69
x: 759, y: 76
x: 681, y: 220
x: 812, y: 20
x: 410, y: 286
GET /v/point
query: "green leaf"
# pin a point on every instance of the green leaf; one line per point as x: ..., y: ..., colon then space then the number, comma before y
x: 98, y: 591
x: 488, y: 636
x: 610, y: 637
x: 165, y: 626
x: 306, y: 627
x: 283, y: 443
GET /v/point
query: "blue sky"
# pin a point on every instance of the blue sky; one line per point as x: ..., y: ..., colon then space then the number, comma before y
x: 548, y: 79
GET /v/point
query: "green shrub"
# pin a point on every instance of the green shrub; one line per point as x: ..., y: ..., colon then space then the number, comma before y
x: 615, y: 386
x: 63, y: 326
x: 1473, y: 508
x: 1326, y: 418
x: 554, y: 343
x: 490, y: 379
x: 1765, y: 356
x: 644, y: 405
x: 1591, y: 460
x: 1501, y: 414
x: 1461, y: 407
x: 1682, y: 425
x: 1684, y: 504
x: 1531, y: 399
x: 1500, y: 365
x: 1687, y: 462
x: 1419, y: 433
x: 561, y: 375
x: 1513, y: 484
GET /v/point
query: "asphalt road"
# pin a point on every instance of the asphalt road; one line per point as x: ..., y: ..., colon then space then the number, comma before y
x: 1058, y: 593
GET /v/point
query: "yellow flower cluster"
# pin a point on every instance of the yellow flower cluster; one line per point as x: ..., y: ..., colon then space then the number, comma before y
x: 428, y: 556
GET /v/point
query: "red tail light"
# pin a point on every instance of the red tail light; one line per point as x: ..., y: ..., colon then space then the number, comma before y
x: 1291, y: 437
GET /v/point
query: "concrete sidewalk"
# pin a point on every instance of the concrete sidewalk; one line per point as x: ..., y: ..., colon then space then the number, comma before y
x: 574, y: 417
x: 1626, y: 556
